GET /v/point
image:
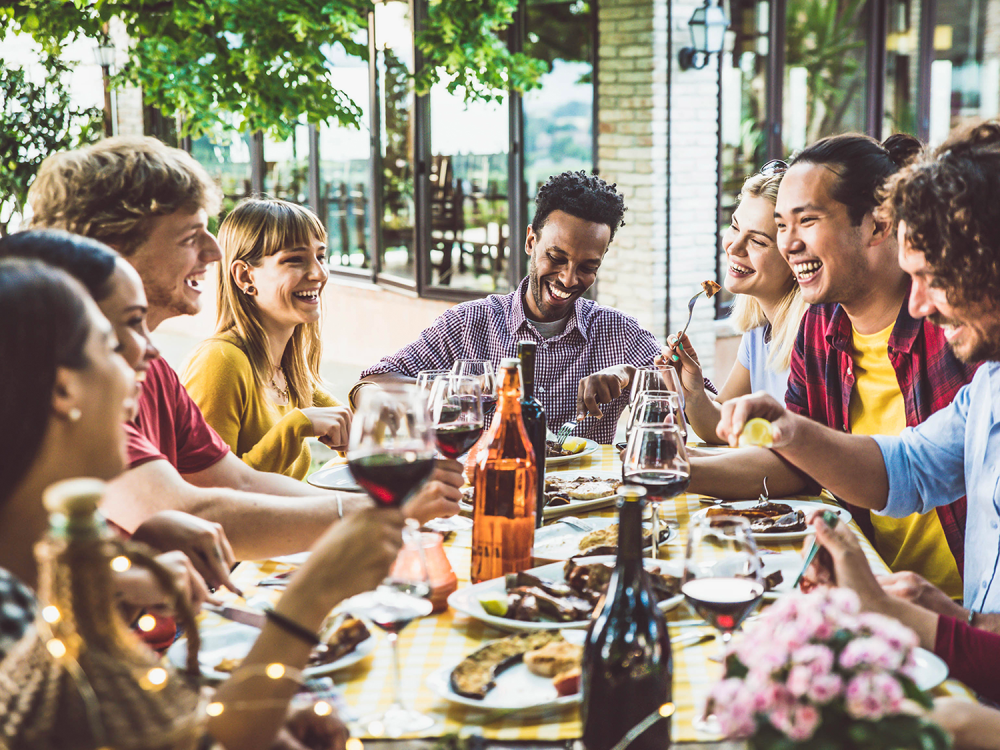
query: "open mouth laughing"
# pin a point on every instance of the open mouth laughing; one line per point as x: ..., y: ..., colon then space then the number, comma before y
x: 806, y: 270
x: 559, y: 295
x: 310, y: 296
x: 739, y: 270
x: 193, y: 280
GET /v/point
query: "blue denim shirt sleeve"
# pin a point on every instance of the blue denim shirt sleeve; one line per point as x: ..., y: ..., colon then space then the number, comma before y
x: 926, y: 463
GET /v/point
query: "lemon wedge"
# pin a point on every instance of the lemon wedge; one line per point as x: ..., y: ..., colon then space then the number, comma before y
x: 574, y: 444
x: 494, y: 604
x: 756, y: 433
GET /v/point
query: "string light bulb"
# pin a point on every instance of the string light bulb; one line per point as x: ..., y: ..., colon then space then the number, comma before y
x: 157, y: 675
x: 214, y: 709
x: 275, y: 671
x: 146, y: 623
x: 56, y: 647
x: 353, y: 743
x: 667, y: 709
x: 51, y: 614
x: 120, y: 564
x: 322, y: 708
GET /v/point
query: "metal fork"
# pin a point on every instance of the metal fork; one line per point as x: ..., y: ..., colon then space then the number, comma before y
x: 563, y: 432
x: 690, y: 313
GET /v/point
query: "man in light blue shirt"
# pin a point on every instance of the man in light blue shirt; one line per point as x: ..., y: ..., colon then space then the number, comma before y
x: 949, y: 243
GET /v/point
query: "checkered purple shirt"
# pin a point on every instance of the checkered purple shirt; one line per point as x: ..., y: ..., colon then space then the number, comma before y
x: 596, y: 337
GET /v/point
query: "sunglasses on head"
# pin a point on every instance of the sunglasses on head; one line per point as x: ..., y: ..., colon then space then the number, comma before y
x: 773, y: 167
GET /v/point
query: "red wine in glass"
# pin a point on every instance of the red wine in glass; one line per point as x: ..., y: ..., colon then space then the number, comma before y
x: 454, y: 439
x: 489, y: 401
x: 723, y: 602
x: 660, y: 484
x: 390, y: 478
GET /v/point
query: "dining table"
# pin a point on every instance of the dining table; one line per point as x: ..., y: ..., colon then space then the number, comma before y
x: 441, y: 640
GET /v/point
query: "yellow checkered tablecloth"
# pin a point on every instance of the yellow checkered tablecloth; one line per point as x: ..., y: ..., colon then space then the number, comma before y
x: 443, y: 640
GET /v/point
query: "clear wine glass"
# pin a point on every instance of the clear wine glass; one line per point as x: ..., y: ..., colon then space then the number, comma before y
x: 483, y: 369
x: 655, y: 458
x: 398, y: 600
x: 426, y: 378
x: 723, y: 579
x: 456, y: 413
x: 655, y: 378
x: 656, y: 407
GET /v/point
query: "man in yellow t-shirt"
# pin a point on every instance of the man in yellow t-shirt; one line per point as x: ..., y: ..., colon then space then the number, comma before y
x: 916, y: 542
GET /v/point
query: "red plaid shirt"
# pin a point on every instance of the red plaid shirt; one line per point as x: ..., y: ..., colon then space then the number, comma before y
x: 929, y: 376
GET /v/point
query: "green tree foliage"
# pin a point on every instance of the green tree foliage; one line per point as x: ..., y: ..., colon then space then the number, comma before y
x: 36, y: 119
x: 262, y: 65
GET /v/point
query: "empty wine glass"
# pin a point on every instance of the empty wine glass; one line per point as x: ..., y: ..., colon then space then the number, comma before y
x: 426, y: 378
x: 656, y: 407
x: 722, y: 579
x: 398, y: 600
x: 456, y: 413
x: 483, y: 369
x: 655, y: 458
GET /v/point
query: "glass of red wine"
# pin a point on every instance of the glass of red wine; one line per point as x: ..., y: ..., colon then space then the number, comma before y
x: 391, y: 454
x: 482, y: 369
x: 655, y: 459
x: 722, y: 579
x: 456, y: 413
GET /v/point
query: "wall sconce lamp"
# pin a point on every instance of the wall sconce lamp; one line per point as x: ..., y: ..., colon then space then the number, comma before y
x: 708, y: 26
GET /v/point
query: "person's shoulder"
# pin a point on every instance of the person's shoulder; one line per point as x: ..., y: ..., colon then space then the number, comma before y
x: 219, y: 355
x: 597, y: 314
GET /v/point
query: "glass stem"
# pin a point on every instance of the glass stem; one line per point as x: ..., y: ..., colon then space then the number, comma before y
x: 397, y: 677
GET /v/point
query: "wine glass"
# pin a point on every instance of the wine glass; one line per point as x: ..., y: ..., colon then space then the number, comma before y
x: 456, y: 413
x: 483, y: 369
x: 394, y: 604
x: 426, y: 378
x: 656, y: 407
x: 722, y: 580
x: 655, y: 458
x: 655, y: 378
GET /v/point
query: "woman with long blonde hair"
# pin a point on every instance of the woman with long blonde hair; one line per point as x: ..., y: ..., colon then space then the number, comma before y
x: 767, y: 309
x: 257, y: 379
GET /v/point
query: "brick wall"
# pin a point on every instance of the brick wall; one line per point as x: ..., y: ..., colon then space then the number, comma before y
x: 634, y: 102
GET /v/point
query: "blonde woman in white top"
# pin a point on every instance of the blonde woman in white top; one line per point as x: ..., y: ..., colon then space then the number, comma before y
x: 767, y: 309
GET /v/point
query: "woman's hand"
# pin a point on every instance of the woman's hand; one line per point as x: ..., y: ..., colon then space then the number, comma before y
x: 681, y: 355
x: 439, y: 497
x: 850, y: 566
x: 203, y: 542
x: 331, y: 424
x: 137, y: 588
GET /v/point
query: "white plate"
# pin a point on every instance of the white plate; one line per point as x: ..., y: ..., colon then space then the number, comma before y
x: 560, y: 541
x: 931, y: 669
x: 517, y: 689
x: 574, y: 506
x: 789, y: 563
x: 336, y: 477
x: 805, y: 506
x: 234, y: 640
x: 466, y: 599
x: 590, y: 447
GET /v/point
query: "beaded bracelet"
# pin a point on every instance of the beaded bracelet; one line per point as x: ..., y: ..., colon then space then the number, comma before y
x: 292, y: 628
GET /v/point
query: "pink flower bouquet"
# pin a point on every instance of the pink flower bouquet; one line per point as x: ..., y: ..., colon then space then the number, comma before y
x: 817, y: 673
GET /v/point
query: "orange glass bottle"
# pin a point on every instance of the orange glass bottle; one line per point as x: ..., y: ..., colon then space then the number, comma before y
x: 503, y: 520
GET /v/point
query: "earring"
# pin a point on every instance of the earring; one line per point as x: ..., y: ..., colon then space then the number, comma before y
x: 74, y: 414
x: 250, y: 291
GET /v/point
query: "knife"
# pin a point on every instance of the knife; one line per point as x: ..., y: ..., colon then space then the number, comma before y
x: 252, y: 617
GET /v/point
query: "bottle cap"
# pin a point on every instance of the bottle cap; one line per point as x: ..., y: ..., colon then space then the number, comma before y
x: 509, y: 363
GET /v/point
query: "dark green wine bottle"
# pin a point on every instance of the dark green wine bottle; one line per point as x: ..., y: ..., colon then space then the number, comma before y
x: 628, y: 667
x: 533, y: 416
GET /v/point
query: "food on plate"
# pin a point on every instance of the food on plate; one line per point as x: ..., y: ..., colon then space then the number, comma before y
x: 570, y: 447
x: 494, y: 604
x: 476, y: 674
x: 553, y: 658
x: 227, y: 665
x: 580, y: 487
x: 710, y: 288
x: 568, y: 682
x: 605, y: 541
x: 347, y: 632
x: 766, y: 517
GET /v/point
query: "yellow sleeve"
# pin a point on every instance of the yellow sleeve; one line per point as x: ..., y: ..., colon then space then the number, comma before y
x: 322, y: 397
x: 219, y: 379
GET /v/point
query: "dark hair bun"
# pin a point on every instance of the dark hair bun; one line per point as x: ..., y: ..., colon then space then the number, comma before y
x: 982, y: 137
x: 902, y: 148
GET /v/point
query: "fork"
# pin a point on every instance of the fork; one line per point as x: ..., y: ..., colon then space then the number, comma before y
x: 690, y: 313
x: 563, y: 432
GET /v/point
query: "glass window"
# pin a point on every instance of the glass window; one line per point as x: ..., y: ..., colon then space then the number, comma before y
x: 902, y: 47
x: 226, y: 158
x: 394, y: 45
x: 825, y: 75
x: 743, y: 115
x: 965, y: 74
x: 470, y: 231
x: 559, y: 116
x: 286, y: 166
x: 345, y: 169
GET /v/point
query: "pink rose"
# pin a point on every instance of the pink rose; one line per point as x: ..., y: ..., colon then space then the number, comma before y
x: 871, y: 651
x: 805, y: 720
x: 824, y: 688
x: 817, y: 657
x: 863, y: 699
x: 733, y: 704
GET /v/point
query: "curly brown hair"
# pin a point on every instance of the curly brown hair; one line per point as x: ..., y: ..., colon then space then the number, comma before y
x: 948, y: 203
x: 112, y: 190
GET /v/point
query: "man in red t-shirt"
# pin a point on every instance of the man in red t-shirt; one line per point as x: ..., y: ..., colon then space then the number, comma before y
x: 151, y: 203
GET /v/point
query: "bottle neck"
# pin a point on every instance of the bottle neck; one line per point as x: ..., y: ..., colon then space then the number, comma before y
x: 527, y: 356
x: 630, y: 533
x: 509, y: 396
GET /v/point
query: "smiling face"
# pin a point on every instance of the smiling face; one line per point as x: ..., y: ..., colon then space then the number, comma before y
x: 830, y: 257
x: 755, y: 267
x: 172, y: 262
x: 973, y: 332
x: 126, y: 309
x: 104, y: 391
x: 289, y: 283
x: 566, y: 254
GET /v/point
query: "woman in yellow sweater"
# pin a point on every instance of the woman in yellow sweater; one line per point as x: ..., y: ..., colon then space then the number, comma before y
x: 257, y: 380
